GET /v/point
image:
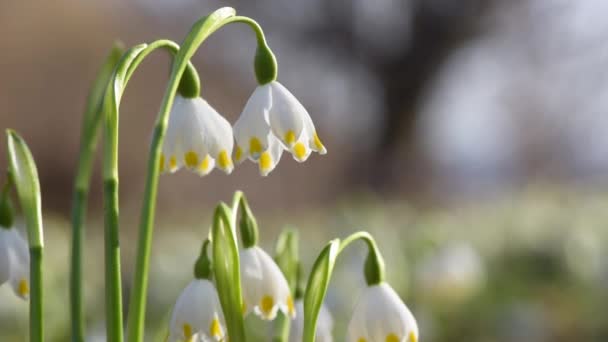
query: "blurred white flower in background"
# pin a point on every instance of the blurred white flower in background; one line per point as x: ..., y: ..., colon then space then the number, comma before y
x: 14, y: 261
x: 453, y: 274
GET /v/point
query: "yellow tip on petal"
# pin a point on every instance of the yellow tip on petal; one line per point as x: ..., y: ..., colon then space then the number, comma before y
x: 161, y: 163
x: 265, y: 163
x: 238, y: 154
x: 224, y: 161
x: 392, y: 338
x: 204, y: 165
x: 191, y: 159
x: 187, y: 329
x: 266, y: 305
x: 23, y: 288
x: 299, y: 151
x: 172, y: 163
x: 290, y: 307
x: 318, y: 144
x: 412, y: 337
x: 255, y: 146
x: 290, y: 138
x: 215, y: 329
x: 361, y: 339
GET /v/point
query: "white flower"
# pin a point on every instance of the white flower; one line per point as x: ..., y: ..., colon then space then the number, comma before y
x: 265, y: 289
x: 325, y: 324
x: 273, y: 120
x: 14, y: 262
x: 381, y: 316
x: 198, y: 137
x: 197, y: 314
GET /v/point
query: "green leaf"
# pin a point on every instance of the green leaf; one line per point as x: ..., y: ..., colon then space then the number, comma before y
x: 226, y: 267
x: 316, y: 288
x: 286, y: 256
x: 25, y: 177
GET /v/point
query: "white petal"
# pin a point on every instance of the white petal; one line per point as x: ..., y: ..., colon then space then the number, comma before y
x: 195, y: 310
x: 217, y: 136
x: 285, y: 115
x: 265, y: 289
x: 324, y: 325
x: 381, y: 313
x: 271, y: 157
x: 5, y: 263
x: 251, y: 130
x: 19, y: 264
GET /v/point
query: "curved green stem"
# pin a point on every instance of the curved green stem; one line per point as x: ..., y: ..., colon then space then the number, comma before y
x: 25, y: 178
x: 199, y: 32
x: 122, y: 74
x: 319, y: 278
x: 88, y: 142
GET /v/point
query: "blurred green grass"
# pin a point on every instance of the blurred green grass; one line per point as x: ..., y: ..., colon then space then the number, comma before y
x: 540, y: 266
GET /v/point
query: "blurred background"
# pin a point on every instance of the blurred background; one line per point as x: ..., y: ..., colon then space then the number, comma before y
x: 471, y: 137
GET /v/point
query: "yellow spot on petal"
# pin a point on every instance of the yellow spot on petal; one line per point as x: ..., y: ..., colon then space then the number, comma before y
x: 224, y: 160
x: 162, y: 163
x: 187, y: 329
x: 204, y: 165
x: 215, y: 329
x: 392, y: 338
x: 290, y: 308
x: 412, y: 337
x: 255, y: 146
x: 238, y: 154
x: 299, y: 151
x: 266, y: 305
x: 191, y: 159
x: 290, y: 138
x: 23, y: 288
x: 172, y: 163
x: 265, y: 162
x: 362, y: 339
x: 317, y: 142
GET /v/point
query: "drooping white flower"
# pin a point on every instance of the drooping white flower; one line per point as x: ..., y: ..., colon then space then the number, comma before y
x: 197, y: 315
x: 14, y: 262
x: 381, y: 316
x: 265, y: 289
x: 198, y: 137
x: 325, y: 324
x: 273, y: 112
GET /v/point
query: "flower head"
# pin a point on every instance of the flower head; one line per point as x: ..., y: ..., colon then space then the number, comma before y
x: 273, y: 120
x: 197, y: 315
x: 381, y: 316
x: 265, y: 289
x: 325, y: 324
x: 198, y: 137
x: 14, y: 262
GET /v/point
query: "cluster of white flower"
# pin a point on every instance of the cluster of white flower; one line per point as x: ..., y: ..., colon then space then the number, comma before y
x: 273, y: 120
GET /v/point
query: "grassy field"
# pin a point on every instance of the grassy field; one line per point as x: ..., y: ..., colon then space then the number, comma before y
x: 530, y: 267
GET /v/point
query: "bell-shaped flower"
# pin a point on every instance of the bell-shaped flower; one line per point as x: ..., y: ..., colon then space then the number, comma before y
x: 325, y: 324
x: 265, y: 289
x: 198, y: 138
x: 14, y: 262
x: 380, y: 315
x: 197, y: 315
x: 273, y: 112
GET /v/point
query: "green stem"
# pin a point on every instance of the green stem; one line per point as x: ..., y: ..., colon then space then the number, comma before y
x: 90, y: 132
x: 374, y: 264
x: 36, y: 295
x: 123, y: 72
x: 200, y: 31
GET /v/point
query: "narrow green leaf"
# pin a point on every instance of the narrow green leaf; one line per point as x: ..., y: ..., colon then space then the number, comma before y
x: 316, y: 288
x: 25, y: 176
x: 226, y: 268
